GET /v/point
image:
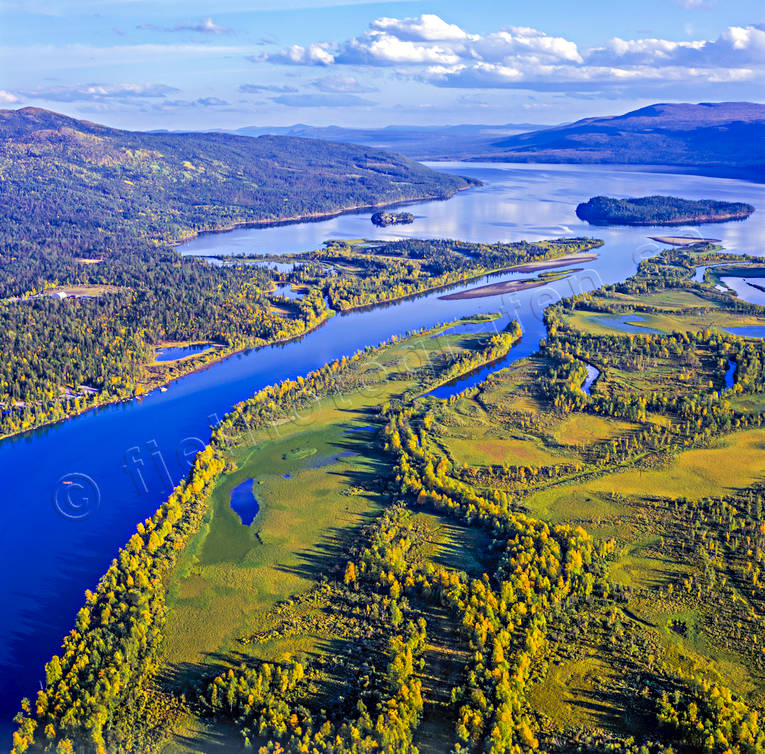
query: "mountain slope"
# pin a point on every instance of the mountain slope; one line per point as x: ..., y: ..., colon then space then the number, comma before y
x: 80, y: 186
x: 711, y: 135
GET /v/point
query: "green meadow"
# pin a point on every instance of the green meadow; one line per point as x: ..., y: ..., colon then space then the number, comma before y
x: 678, y: 594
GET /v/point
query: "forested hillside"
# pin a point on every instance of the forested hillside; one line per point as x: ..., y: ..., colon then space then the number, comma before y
x: 84, y: 188
x: 720, y: 136
x: 88, y: 215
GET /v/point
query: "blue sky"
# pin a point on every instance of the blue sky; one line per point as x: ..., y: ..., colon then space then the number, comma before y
x: 231, y: 63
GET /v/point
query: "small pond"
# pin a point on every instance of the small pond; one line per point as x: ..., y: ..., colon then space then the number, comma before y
x: 730, y: 374
x: 243, y: 502
x: 287, y: 291
x: 173, y: 353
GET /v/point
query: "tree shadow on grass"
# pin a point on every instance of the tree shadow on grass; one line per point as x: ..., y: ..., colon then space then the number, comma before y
x: 329, y: 553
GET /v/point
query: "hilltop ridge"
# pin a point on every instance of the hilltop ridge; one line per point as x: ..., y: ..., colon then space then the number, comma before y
x: 65, y: 177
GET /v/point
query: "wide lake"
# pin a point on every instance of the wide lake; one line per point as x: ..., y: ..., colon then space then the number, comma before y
x: 126, y: 457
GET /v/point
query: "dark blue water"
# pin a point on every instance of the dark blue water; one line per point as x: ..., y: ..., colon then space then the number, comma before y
x: 748, y: 331
x: 173, y: 353
x: 477, y: 376
x: 730, y: 374
x: 243, y: 502
x: 128, y: 455
x: 353, y: 430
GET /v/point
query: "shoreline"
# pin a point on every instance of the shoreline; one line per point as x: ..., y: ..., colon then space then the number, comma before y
x: 514, y: 268
x: 222, y: 355
x: 682, y: 240
x: 496, y: 289
x: 704, y: 220
x: 316, y: 216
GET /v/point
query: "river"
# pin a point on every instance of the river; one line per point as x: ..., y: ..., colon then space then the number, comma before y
x: 133, y: 451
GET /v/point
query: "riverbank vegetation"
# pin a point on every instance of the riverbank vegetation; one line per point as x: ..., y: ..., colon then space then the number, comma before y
x: 96, y: 210
x: 362, y: 275
x: 65, y: 355
x: 518, y: 567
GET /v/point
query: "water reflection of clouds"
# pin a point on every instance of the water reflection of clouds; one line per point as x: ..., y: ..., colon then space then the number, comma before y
x: 517, y: 201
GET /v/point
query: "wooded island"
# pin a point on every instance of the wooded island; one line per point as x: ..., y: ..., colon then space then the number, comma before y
x: 660, y: 210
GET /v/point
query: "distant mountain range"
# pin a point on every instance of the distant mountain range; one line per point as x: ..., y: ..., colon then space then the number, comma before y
x: 716, y: 136
x: 418, y: 142
x: 721, y: 138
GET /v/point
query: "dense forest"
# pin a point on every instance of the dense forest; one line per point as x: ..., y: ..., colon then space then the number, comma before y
x: 78, y: 187
x: 61, y: 356
x: 522, y: 566
x: 660, y: 210
x: 89, y: 283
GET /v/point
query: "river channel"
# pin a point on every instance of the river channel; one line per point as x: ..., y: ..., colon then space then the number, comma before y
x: 126, y: 457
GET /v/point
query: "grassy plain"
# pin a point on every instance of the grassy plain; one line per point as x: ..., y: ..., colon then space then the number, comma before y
x: 679, y: 591
x: 318, y: 479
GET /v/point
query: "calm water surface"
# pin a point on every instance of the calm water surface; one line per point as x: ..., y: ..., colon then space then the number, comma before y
x: 133, y: 452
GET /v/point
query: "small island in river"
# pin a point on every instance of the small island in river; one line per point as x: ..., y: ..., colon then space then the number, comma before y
x: 660, y: 210
x: 383, y: 219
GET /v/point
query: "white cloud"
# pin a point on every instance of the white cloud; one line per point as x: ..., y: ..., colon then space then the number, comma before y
x: 525, y: 42
x: 314, y: 54
x: 7, y: 98
x: 433, y: 50
x: 549, y: 78
x: 736, y: 46
x: 385, y: 49
x: 97, y: 92
x: 427, y: 28
x: 347, y: 84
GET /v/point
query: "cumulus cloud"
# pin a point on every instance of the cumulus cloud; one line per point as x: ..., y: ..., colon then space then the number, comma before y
x: 429, y: 40
x: 98, y: 92
x: 7, y: 98
x: 736, y: 46
x: 427, y: 28
x: 321, y: 100
x: 433, y: 50
x: 314, y: 54
x: 203, y: 27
